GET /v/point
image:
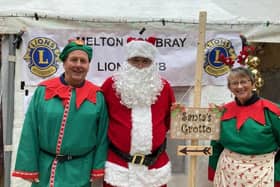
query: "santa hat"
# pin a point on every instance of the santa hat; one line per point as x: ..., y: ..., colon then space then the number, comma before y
x: 141, y: 48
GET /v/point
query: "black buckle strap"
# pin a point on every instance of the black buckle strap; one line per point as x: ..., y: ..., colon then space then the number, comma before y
x: 139, y: 158
x: 62, y: 158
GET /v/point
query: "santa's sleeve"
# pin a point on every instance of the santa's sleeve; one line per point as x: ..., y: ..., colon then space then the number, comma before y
x: 106, y: 85
x: 213, y: 159
x: 171, y: 100
x: 28, y: 150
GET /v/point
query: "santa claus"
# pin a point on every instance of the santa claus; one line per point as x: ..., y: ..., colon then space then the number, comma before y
x: 139, y: 102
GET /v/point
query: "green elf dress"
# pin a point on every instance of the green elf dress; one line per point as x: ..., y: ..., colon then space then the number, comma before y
x: 249, y: 135
x: 64, y: 136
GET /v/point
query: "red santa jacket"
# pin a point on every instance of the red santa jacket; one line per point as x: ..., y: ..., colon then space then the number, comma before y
x: 120, y: 122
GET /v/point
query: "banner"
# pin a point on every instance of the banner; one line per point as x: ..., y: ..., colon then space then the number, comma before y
x: 176, y: 62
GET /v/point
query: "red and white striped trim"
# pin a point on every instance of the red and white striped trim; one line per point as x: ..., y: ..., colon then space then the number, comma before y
x: 54, y: 164
x: 60, y: 138
x: 97, y: 173
x: 25, y: 175
x: 63, y: 123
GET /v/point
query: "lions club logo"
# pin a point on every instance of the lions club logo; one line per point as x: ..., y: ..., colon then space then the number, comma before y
x: 42, y: 56
x: 215, y: 48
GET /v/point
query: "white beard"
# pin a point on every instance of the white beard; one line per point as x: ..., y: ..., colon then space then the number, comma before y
x: 138, y: 87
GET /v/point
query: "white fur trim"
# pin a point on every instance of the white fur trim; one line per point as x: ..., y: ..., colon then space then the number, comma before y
x: 136, y: 176
x: 141, y: 49
x: 138, y: 87
x: 141, y: 133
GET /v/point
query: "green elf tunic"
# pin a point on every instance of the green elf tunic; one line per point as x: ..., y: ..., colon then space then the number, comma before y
x: 250, y: 129
x: 62, y: 120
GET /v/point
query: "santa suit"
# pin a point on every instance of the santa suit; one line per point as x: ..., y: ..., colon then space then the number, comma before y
x: 137, y: 130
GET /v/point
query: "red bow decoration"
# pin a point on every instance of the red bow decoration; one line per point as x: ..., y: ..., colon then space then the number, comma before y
x: 246, y: 51
x: 151, y: 39
x: 226, y: 60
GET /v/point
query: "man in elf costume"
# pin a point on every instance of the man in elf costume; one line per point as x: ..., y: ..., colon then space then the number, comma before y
x: 139, y: 102
x: 64, y: 136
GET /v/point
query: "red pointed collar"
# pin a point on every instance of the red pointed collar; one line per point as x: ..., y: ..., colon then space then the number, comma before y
x: 54, y: 87
x: 254, y: 111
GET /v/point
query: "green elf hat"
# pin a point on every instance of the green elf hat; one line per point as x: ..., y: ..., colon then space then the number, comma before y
x: 75, y: 45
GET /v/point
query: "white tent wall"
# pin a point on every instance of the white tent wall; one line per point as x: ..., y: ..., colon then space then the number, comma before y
x: 258, y: 20
x: 180, y: 178
x: 180, y: 164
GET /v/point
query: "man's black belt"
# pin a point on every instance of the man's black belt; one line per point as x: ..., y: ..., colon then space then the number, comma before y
x: 62, y: 158
x: 139, y: 158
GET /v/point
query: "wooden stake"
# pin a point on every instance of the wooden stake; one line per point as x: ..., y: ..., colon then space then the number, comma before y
x: 197, y: 90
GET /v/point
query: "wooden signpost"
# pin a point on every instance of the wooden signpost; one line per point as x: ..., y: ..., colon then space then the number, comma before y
x: 194, y: 150
x: 195, y: 123
x: 197, y: 90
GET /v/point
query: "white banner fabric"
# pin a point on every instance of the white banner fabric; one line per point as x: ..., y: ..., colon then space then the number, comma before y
x: 176, y: 62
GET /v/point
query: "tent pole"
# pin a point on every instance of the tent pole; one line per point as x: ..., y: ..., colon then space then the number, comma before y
x: 1, y: 124
x: 8, y: 108
x: 1, y: 144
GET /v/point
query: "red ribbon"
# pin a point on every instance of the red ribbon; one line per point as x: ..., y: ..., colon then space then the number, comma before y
x: 151, y: 40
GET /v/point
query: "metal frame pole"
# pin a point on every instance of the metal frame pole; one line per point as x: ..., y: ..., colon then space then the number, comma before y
x: 8, y: 108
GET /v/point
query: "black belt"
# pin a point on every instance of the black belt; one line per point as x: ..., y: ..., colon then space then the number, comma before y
x: 139, y: 158
x: 62, y: 158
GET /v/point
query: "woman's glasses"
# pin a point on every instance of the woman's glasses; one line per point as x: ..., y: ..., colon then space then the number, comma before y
x: 241, y: 82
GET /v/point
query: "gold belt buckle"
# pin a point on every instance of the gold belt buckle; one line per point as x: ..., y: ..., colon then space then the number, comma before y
x: 137, y: 155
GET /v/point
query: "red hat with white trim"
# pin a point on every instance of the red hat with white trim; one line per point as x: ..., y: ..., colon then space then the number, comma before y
x: 141, y: 48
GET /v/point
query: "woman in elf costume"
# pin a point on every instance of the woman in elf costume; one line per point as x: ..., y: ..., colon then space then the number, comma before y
x: 250, y: 136
x: 64, y: 135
